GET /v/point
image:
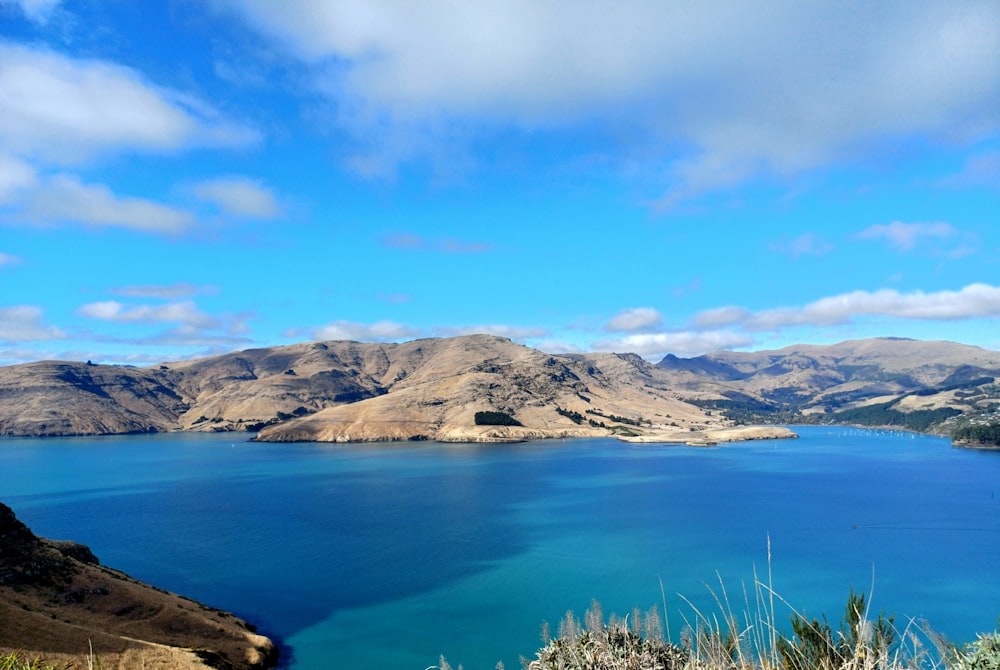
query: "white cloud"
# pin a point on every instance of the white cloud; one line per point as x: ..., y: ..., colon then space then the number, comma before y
x: 239, y: 196
x: 64, y: 110
x: 684, y: 344
x: 64, y: 199
x: 971, y: 302
x: 905, y: 236
x: 184, y: 312
x: 559, y: 347
x: 719, y: 316
x: 750, y: 88
x: 16, y: 176
x: 380, y: 331
x: 23, y: 323
x: 639, y: 318
x: 7, y: 260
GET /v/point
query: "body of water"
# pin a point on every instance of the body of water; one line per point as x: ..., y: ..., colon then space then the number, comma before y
x: 387, y: 556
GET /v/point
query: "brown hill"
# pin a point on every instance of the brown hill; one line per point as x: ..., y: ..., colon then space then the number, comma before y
x: 429, y: 388
x: 433, y: 389
x: 58, y: 603
x: 827, y: 379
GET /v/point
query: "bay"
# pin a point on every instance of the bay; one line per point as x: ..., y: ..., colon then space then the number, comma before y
x: 387, y: 556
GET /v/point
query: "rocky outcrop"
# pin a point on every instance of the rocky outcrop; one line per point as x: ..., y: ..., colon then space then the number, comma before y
x: 58, y: 603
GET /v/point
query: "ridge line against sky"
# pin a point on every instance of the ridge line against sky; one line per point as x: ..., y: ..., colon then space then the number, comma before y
x: 183, y: 178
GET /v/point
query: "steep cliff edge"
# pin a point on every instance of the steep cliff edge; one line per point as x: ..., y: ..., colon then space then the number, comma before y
x: 57, y: 602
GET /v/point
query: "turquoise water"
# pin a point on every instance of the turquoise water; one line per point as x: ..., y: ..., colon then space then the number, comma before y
x: 387, y: 556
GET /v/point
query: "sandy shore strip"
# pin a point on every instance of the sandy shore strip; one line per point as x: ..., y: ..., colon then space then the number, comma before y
x: 707, y: 438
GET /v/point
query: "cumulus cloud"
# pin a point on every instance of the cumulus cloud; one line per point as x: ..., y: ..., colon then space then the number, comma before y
x: 239, y: 196
x: 64, y: 110
x: 65, y: 199
x: 24, y: 323
x: 639, y: 318
x: 905, y: 236
x: 748, y: 88
x: 381, y: 331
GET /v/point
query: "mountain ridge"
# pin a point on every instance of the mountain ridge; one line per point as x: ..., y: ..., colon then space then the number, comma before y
x: 433, y: 388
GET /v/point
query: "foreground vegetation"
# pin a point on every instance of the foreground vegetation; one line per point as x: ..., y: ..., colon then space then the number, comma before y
x: 20, y: 661
x: 725, y: 641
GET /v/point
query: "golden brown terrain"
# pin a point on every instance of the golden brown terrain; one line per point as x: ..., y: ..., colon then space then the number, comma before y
x: 433, y: 389
x: 58, y: 603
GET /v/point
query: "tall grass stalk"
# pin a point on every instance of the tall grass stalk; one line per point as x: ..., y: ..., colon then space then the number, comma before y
x: 752, y: 639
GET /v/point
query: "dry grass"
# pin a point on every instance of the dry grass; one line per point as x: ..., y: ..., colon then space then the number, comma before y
x: 750, y: 633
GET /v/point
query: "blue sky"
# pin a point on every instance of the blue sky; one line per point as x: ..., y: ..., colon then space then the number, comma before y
x: 183, y: 178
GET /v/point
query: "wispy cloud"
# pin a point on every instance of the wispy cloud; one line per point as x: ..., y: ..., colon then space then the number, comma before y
x: 449, y: 245
x: 165, y: 292
x: 38, y: 11
x: 981, y: 170
x: 65, y: 199
x: 8, y: 260
x: 905, y: 236
x: 65, y: 110
x: 807, y: 244
x: 381, y: 331
x: 239, y: 196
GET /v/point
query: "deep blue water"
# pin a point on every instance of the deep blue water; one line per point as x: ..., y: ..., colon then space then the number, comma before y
x: 386, y: 556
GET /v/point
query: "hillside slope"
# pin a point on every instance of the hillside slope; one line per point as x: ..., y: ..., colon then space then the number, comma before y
x: 856, y: 381
x: 57, y: 602
x: 338, y: 391
x: 434, y: 388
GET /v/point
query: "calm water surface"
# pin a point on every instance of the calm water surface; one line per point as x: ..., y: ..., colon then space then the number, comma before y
x: 387, y: 556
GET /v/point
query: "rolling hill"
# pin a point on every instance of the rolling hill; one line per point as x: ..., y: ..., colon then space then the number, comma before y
x: 435, y: 388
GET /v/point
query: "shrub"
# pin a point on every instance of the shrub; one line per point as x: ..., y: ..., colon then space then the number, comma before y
x: 635, y: 643
x: 983, y: 654
x: 492, y: 418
